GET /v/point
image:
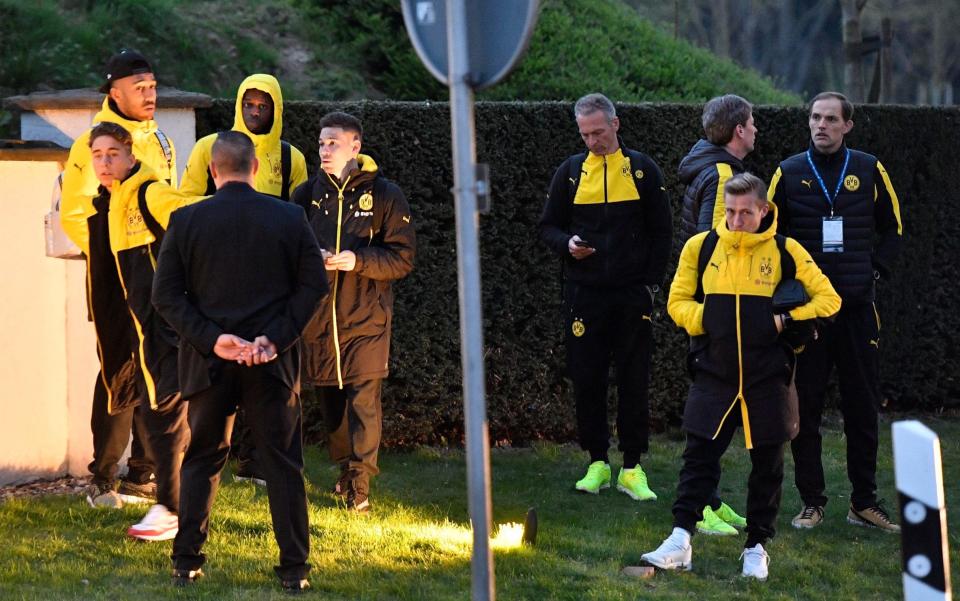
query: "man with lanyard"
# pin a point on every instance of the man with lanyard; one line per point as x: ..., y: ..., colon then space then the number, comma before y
x: 835, y: 201
x: 259, y: 115
x: 131, y: 100
x: 607, y: 217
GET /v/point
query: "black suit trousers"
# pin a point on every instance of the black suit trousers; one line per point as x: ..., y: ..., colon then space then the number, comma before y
x: 275, y: 418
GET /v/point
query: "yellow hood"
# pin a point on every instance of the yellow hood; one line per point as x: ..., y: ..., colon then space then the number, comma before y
x: 269, y: 85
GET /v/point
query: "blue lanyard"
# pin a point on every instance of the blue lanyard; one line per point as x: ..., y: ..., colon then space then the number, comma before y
x: 823, y: 186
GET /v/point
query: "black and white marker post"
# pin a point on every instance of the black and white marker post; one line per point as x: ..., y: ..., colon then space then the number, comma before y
x: 926, y: 557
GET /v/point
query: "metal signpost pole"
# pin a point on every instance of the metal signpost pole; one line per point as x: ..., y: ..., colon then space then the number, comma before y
x: 471, y: 322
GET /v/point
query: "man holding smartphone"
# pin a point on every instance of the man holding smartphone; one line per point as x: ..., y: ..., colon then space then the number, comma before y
x: 608, y: 217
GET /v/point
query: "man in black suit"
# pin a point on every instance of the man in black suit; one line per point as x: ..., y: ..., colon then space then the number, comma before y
x: 239, y: 276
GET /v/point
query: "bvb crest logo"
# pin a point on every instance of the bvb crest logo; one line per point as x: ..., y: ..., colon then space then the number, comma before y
x: 578, y: 328
x: 276, y: 168
x: 766, y: 267
x: 366, y: 202
x: 638, y: 174
x: 851, y: 183
x: 625, y: 169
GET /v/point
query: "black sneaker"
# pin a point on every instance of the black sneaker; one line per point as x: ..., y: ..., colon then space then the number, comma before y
x: 248, y: 473
x: 134, y: 492
x: 295, y: 587
x: 186, y: 577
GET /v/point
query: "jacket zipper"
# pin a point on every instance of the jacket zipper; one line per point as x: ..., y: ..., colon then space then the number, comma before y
x: 606, y: 261
x: 745, y: 417
x: 336, y: 279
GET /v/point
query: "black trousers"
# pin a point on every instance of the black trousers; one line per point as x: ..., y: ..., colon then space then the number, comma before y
x: 700, y: 475
x: 242, y: 446
x: 276, y: 422
x: 165, y: 434
x: 604, y: 325
x: 851, y: 343
x: 354, y: 419
x: 111, y: 433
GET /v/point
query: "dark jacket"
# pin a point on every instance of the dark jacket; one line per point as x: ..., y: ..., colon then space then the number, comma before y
x: 617, y: 204
x: 239, y: 263
x: 704, y: 171
x: 742, y: 365
x: 137, y: 349
x: 869, y: 207
x: 349, y: 339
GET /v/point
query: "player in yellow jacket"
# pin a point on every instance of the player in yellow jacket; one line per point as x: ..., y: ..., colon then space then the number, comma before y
x: 130, y: 102
x: 259, y: 114
x: 743, y: 361
x: 137, y: 349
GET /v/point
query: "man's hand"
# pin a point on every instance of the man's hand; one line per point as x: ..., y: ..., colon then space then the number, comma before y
x: 264, y: 350
x: 232, y: 348
x: 342, y: 261
x: 578, y: 251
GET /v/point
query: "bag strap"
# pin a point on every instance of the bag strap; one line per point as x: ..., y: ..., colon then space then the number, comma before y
x: 285, y: 170
x: 167, y: 149
x: 574, y: 171
x: 788, y: 267
x: 152, y: 224
x: 706, y: 251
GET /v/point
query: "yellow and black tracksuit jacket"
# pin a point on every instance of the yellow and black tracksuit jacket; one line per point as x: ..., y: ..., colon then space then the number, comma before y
x: 80, y: 185
x: 869, y: 207
x: 704, y: 171
x: 616, y: 203
x: 743, y: 366
x: 123, y: 232
x: 269, y: 179
x: 348, y: 340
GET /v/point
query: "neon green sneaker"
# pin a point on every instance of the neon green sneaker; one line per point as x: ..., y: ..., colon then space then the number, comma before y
x: 713, y: 525
x: 634, y: 482
x: 728, y: 515
x: 597, y: 478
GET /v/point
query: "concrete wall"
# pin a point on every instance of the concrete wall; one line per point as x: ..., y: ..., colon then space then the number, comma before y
x: 49, y: 364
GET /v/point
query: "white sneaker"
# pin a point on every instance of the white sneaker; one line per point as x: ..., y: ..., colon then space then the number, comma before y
x: 675, y: 553
x: 755, y: 562
x: 158, y: 524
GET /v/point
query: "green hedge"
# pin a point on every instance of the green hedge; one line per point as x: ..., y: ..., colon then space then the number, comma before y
x: 528, y: 397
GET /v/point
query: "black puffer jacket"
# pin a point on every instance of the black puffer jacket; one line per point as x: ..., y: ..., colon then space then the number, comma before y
x: 703, y: 171
x: 348, y: 339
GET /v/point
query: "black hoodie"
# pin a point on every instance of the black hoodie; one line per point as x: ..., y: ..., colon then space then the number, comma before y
x: 703, y: 171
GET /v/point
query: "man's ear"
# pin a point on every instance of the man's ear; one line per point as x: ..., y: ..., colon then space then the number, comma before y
x: 355, y: 147
x: 213, y: 170
x: 255, y: 165
x: 847, y: 127
x: 615, y: 124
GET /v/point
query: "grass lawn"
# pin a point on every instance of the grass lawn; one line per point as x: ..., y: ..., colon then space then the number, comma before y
x: 415, y: 546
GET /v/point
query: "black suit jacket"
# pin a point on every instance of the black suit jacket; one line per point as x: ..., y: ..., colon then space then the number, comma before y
x: 239, y: 263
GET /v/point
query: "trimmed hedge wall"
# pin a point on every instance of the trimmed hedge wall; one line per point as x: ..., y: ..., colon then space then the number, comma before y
x: 527, y: 395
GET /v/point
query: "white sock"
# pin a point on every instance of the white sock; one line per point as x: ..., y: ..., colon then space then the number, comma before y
x: 680, y: 536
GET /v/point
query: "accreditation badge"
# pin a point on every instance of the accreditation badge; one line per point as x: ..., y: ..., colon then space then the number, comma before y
x: 833, y: 234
